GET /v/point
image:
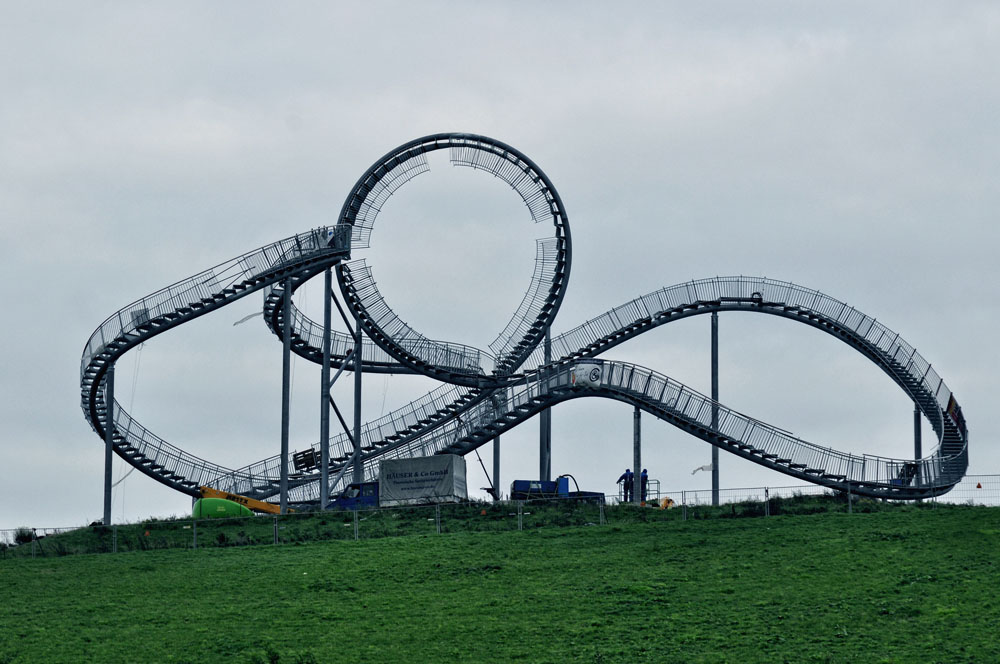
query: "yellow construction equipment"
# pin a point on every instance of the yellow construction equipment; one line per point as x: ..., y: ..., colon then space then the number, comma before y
x: 255, y: 505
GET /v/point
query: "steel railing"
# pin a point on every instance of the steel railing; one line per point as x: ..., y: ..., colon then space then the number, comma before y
x: 164, y: 308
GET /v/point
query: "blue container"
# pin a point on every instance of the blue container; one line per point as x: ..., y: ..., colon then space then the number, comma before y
x: 527, y: 489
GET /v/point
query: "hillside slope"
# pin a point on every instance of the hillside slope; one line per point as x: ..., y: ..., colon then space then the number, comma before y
x: 917, y: 585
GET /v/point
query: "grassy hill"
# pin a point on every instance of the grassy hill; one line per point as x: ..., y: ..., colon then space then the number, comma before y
x: 910, y: 585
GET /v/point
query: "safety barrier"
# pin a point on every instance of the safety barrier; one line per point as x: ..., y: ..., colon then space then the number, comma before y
x: 474, y: 516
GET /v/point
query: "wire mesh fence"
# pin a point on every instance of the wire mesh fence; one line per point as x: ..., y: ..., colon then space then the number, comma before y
x: 975, y: 490
x: 293, y: 528
x: 476, y: 516
x: 981, y: 490
x: 698, y: 497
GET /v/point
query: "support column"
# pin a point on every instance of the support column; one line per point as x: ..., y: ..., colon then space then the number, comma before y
x: 637, y: 456
x: 545, y: 423
x: 359, y: 474
x: 715, y: 405
x: 917, y: 451
x: 496, y: 468
x: 324, y: 397
x: 109, y: 429
x: 286, y: 389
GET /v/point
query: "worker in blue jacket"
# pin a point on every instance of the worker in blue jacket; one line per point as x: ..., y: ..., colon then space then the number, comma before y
x: 643, y: 479
x: 628, y: 477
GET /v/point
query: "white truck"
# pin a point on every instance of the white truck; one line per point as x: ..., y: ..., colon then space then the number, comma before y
x: 422, y: 480
x: 415, y: 481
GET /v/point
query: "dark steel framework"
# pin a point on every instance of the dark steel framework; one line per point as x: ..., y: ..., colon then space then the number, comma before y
x: 485, y: 393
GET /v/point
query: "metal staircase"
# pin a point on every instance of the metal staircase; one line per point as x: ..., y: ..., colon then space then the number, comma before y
x: 770, y: 446
x: 455, y: 363
x: 487, y: 393
x: 301, y: 255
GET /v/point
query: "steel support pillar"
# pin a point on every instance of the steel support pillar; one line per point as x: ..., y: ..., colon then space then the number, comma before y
x: 917, y: 445
x: 496, y: 468
x: 359, y: 475
x: 324, y: 397
x: 637, y: 456
x: 545, y: 423
x: 109, y: 429
x: 286, y: 389
x: 715, y: 405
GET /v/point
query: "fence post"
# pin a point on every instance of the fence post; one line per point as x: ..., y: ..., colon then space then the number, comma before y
x: 114, y: 539
x: 275, y: 530
x: 601, y: 507
x: 520, y: 515
x: 850, y: 506
x: 684, y: 506
x: 356, y: 524
x: 437, y: 517
x: 194, y: 534
x: 767, y: 502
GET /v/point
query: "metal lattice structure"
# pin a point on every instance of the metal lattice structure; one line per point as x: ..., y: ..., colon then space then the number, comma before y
x: 485, y: 393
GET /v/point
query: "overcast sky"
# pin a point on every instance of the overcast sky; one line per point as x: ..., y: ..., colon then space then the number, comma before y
x: 847, y: 147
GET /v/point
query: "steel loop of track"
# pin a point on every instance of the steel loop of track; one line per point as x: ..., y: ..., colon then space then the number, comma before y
x: 485, y: 393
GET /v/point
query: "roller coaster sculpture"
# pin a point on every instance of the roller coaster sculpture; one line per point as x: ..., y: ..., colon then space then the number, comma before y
x: 485, y: 393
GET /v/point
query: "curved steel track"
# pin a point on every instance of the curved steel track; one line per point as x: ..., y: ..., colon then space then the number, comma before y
x: 485, y: 393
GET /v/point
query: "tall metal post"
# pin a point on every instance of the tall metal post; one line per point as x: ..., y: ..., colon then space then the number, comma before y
x: 496, y: 468
x: 917, y: 451
x: 637, y: 456
x: 286, y: 389
x: 545, y: 424
x: 109, y: 428
x: 359, y: 475
x: 715, y: 405
x: 324, y: 397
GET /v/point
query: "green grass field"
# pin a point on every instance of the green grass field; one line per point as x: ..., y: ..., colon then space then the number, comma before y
x: 906, y: 585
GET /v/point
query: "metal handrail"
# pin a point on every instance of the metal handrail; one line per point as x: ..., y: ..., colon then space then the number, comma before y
x: 224, y: 283
x: 879, y: 338
x: 384, y: 177
x: 453, y: 418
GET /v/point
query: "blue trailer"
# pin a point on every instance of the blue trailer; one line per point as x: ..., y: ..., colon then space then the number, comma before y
x: 553, y: 489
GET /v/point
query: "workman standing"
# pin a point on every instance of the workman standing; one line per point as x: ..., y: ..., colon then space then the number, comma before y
x: 628, y: 477
x: 643, y: 479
